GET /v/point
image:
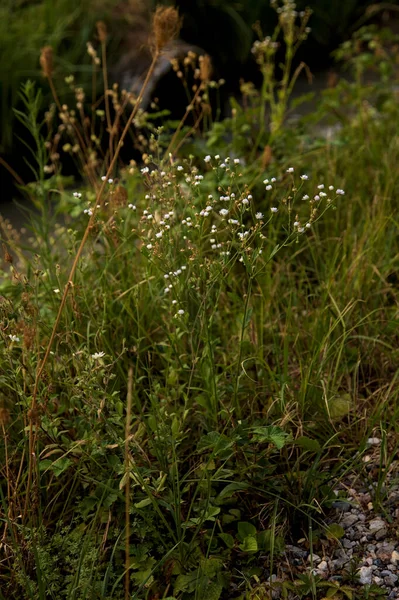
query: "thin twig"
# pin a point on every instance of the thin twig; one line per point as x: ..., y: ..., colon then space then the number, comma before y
x: 12, y: 172
x: 106, y: 98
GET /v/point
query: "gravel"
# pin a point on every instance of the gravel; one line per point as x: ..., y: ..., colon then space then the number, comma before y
x: 370, y: 540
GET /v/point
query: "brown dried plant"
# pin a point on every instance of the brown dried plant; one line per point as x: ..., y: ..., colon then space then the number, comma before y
x: 166, y: 26
x: 46, y: 61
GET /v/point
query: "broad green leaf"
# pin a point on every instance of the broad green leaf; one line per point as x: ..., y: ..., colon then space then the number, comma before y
x: 211, y: 566
x: 334, y: 531
x: 228, y: 539
x: 266, y: 542
x: 245, y: 529
x: 308, y: 444
x: 213, y: 590
x: 230, y: 489
x: 249, y: 544
x: 271, y: 435
x: 340, y: 406
x: 57, y: 467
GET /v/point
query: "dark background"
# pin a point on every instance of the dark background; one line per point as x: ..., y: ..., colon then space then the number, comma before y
x: 221, y: 28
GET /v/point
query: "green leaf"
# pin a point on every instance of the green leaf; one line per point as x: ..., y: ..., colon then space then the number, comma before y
x: 249, y: 544
x: 228, y: 539
x: 175, y: 427
x: 334, y: 531
x: 267, y: 542
x: 143, y: 503
x: 271, y: 435
x: 57, y: 467
x: 213, y: 590
x: 186, y: 583
x: 340, y: 406
x: 211, y: 566
x: 230, y: 489
x: 308, y: 444
x: 245, y: 529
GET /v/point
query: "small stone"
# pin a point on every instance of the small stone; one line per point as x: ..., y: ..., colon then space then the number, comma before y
x: 348, y: 521
x: 385, y: 550
x: 341, y: 505
x: 346, y: 543
x: 395, y: 557
x: 365, y: 575
x: 296, y: 551
x: 380, y: 534
x: 377, y: 580
x: 391, y: 580
x: 376, y: 525
x: 373, y: 441
x: 323, y: 566
x: 315, y: 557
x: 362, y: 517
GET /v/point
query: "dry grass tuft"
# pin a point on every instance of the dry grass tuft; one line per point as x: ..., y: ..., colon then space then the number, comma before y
x: 166, y: 26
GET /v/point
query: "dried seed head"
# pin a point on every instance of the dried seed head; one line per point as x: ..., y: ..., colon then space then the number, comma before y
x: 205, y: 68
x: 46, y: 61
x: 7, y: 256
x: 101, y: 31
x: 166, y: 26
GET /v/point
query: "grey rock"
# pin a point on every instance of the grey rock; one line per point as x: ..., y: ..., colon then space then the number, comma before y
x: 341, y: 505
x: 390, y: 580
x: 376, y: 525
x: 380, y: 534
x: 349, y: 520
x: 297, y: 552
x: 365, y: 575
x: 315, y: 557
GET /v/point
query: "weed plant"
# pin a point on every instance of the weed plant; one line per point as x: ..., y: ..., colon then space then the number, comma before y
x: 182, y: 401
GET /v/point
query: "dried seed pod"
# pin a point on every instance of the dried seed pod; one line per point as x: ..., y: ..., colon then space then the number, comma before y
x: 205, y: 68
x: 166, y: 26
x: 46, y: 61
x: 7, y: 256
x: 101, y: 31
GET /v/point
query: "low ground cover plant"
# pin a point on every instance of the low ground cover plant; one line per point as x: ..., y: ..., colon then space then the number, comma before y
x: 196, y: 345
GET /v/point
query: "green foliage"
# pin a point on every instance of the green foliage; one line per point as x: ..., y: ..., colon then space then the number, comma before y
x: 218, y: 365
